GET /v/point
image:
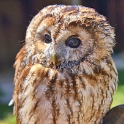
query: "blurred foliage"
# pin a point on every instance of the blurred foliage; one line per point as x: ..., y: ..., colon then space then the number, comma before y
x: 118, y: 97
x: 1, y: 92
x: 6, y: 116
x: 10, y: 119
x: 4, y: 110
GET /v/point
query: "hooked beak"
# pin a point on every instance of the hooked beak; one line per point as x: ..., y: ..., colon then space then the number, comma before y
x: 54, y: 58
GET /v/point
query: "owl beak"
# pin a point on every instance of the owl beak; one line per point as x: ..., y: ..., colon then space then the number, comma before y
x: 54, y: 58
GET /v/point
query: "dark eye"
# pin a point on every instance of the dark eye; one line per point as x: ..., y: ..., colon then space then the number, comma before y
x: 73, y: 42
x: 47, y: 38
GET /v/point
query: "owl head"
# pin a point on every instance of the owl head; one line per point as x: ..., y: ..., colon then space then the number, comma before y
x: 64, y: 36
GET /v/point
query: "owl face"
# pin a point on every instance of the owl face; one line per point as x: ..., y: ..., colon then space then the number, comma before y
x: 62, y: 44
x: 66, y: 35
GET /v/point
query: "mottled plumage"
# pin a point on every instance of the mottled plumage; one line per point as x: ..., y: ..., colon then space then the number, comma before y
x: 64, y: 74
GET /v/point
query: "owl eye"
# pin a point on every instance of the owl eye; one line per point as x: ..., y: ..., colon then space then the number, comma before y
x: 73, y: 42
x: 47, y: 38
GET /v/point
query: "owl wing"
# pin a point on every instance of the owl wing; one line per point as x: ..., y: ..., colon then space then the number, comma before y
x: 18, y: 75
x: 28, y: 92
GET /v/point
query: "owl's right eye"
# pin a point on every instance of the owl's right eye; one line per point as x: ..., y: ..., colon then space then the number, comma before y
x: 73, y: 42
x: 47, y: 38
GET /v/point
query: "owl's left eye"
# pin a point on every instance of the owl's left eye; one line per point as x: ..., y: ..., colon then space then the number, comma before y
x: 73, y: 42
x: 47, y: 38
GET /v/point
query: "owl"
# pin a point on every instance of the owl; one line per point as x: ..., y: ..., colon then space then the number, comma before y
x: 64, y: 74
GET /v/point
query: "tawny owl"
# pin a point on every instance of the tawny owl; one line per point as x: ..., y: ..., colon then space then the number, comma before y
x: 64, y: 74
